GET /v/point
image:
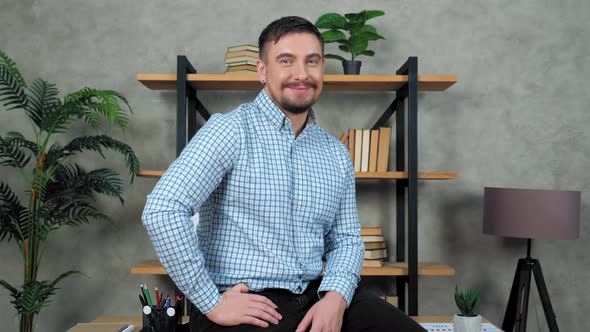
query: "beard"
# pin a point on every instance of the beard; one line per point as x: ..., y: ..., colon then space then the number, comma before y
x: 292, y: 107
x: 295, y: 109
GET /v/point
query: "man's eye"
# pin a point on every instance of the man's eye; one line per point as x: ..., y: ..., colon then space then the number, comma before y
x: 285, y: 61
x: 313, y: 61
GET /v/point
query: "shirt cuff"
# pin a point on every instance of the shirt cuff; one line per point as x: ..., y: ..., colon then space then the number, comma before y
x: 340, y: 285
x: 207, y: 296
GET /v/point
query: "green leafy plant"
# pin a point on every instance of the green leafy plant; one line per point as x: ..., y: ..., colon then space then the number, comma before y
x: 467, y: 302
x: 59, y: 192
x: 354, y: 24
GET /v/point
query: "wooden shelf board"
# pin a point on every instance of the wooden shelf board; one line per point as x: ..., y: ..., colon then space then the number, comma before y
x: 150, y: 266
x: 151, y: 173
x: 153, y: 266
x: 404, y: 175
x: 331, y: 82
x: 401, y: 269
x: 358, y: 175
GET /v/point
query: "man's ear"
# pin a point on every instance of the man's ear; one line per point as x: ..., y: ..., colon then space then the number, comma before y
x: 261, y: 70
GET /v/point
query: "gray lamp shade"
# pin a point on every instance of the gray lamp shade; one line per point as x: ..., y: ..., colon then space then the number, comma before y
x: 531, y: 213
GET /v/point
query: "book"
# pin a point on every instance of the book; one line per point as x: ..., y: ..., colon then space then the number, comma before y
x: 239, y: 63
x: 241, y: 59
x: 365, y: 150
x: 236, y: 54
x: 351, y: 136
x: 241, y: 67
x: 371, y: 231
x: 358, y: 146
x: 374, y: 245
x: 245, y: 47
x: 448, y: 327
x: 249, y: 72
x: 383, y: 153
x: 375, y: 253
x: 373, y: 262
x: 373, y: 238
x: 373, y: 150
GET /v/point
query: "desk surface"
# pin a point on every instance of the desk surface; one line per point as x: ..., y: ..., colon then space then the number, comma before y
x: 114, y: 323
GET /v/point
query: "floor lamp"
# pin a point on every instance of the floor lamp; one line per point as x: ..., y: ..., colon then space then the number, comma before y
x: 530, y: 214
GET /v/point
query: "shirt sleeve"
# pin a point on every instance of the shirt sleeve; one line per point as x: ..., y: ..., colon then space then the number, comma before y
x: 181, y: 191
x: 344, y: 248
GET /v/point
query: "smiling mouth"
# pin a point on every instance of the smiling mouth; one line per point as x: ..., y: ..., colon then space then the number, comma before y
x: 300, y: 89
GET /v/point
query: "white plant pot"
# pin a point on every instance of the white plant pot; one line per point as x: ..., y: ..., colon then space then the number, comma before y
x: 466, y: 324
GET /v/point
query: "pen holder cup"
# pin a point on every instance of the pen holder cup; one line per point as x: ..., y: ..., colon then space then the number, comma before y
x: 159, y: 320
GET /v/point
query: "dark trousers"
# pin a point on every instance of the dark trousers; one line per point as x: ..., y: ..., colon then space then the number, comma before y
x: 367, y: 312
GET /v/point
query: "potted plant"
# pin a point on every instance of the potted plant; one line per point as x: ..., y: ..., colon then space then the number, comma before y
x: 59, y: 191
x: 359, y: 35
x: 467, y: 320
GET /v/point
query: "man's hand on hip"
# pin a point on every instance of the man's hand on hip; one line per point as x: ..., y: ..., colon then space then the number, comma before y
x: 326, y: 315
x: 238, y: 307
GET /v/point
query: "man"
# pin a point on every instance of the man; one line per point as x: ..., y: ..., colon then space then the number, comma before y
x: 276, y: 197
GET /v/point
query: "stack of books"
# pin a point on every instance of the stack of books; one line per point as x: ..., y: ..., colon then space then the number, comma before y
x: 375, y: 249
x: 241, y: 59
x: 369, y: 149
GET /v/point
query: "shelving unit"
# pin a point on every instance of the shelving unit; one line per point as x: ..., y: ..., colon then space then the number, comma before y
x: 406, y: 83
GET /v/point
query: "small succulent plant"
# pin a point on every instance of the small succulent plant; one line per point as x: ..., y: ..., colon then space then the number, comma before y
x: 467, y: 302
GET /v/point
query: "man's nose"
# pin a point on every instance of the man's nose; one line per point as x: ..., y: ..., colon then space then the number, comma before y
x: 300, y: 71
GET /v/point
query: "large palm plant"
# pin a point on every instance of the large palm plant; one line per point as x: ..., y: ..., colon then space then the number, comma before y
x: 59, y: 191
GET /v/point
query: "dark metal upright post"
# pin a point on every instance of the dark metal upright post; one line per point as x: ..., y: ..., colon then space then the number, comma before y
x: 412, y: 186
x: 184, y: 92
x: 400, y: 192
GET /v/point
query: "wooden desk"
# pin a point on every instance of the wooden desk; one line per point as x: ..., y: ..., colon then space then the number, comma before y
x: 114, y: 323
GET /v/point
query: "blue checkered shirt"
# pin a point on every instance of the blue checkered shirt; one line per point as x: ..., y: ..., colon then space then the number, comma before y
x: 271, y: 207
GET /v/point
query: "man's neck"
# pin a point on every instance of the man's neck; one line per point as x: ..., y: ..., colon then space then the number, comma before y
x: 298, y: 121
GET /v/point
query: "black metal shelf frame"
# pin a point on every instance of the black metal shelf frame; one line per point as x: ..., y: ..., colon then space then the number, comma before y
x: 188, y: 105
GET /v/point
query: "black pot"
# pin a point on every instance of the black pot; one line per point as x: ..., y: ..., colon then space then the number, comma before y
x: 351, y: 67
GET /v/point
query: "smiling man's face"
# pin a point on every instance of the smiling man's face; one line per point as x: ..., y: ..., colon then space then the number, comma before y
x: 293, y: 69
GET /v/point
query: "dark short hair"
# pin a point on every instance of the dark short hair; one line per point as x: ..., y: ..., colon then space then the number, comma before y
x: 284, y: 26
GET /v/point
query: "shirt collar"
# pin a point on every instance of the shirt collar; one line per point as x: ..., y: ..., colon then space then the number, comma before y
x: 274, y: 113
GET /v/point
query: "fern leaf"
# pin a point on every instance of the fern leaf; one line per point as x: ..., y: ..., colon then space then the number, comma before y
x: 97, y: 143
x: 105, y: 103
x: 43, y: 99
x: 12, y: 93
x: 64, y: 275
x: 13, y: 291
x: 11, y: 153
x: 10, y: 65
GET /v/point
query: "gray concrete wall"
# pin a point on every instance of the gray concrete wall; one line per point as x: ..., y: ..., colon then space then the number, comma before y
x: 518, y: 117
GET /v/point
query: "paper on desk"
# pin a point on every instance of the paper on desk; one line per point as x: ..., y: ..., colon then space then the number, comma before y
x: 448, y: 327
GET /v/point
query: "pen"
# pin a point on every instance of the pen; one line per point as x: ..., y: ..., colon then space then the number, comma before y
x: 129, y: 328
x: 143, y: 304
x: 147, y: 310
x: 157, y: 296
x: 143, y: 293
x: 148, y: 297
x: 170, y: 312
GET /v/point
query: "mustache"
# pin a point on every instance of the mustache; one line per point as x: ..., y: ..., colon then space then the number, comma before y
x: 308, y: 84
